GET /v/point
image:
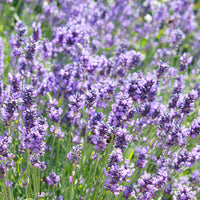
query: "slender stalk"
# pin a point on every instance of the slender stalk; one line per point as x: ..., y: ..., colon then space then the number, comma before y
x: 63, y: 174
x: 7, y: 186
x: 7, y: 174
x: 108, y: 197
x: 93, y: 177
x: 104, y: 160
x: 5, y: 191
x: 26, y: 192
x: 35, y: 182
x: 51, y: 153
x: 71, y: 185
x: 54, y: 195
x: 65, y: 163
x: 29, y: 190
x: 58, y: 153
x: 38, y: 180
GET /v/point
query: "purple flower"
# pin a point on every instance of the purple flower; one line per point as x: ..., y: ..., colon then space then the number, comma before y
x: 173, y: 101
x: 122, y: 139
x: 177, y: 36
x: 147, y: 188
x: 41, y: 195
x: 184, y: 192
x: 47, y: 49
x: 185, y: 158
x: 90, y: 98
x: 18, y: 42
x: 176, y: 136
x: 186, y: 102
x: 117, y: 172
x: 2, y: 171
x: 30, y: 51
x: 74, y: 155
x: 54, y: 111
x: 15, y: 80
x: 4, y: 145
x: 9, y: 110
x: 59, y: 134
x: 130, y: 59
x: 76, y: 103
x: 142, y: 155
x: 129, y: 191
x: 194, y: 129
x: 37, y: 32
x: 27, y: 97
x: 9, y: 184
x: 53, y: 179
x: 115, y: 157
x: 185, y: 60
x: 195, y: 177
x: 162, y: 68
x: 70, y: 179
x: 147, y: 88
x: 59, y: 198
x: 29, y: 117
x: 122, y: 111
x: 179, y: 85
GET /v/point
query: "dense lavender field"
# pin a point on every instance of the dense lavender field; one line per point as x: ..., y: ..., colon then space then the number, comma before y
x: 99, y: 99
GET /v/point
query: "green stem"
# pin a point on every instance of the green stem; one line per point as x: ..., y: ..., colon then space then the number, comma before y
x: 108, y: 195
x: 35, y: 182
x: 51, y: 153
x: 57, y: 154
x: 71, y: 185
x: 54, y: 194
x: 26, y: 192
x: 38, y: 180
x: 93, y: 177
x: 65, y: 163
x: 29, y: 190
x: 8, y: 188
x: 5, y: 191
x: 104, y: 160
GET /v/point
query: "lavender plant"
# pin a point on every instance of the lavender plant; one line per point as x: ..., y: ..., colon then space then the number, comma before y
x: 99, y: 99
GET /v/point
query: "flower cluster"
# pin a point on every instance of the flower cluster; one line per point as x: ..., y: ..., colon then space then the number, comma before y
x: 112, y: 86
